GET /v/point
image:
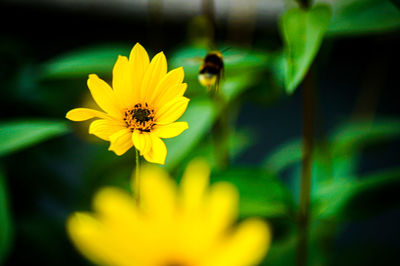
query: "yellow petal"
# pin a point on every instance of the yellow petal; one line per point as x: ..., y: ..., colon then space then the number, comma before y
x: 193, y: 185
x: 154, y: 73
x: 170, y: 80
x: 121, y: 141
x: 117, y: 207
x: 221, y: 208
x: 157, y: 194
x: 104, y: 96
x: 123, y: 224
x: 246, y: 246
x: 123, y: 83
x: 170, y: 130
x: 139, y: 62
x: 104, y: 128
x: 142, y: 141
x: 82, y: 114
x: 171, y: 111
x: 89, y: 236
x: 158, y: 151
x: 173, y: 92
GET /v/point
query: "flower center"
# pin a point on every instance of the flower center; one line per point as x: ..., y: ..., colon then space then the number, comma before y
x: 140, y: 117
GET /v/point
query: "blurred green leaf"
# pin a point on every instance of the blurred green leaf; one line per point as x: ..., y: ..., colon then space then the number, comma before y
x: 284, y: 156
x: 200, y: 116
x: 354, y: 135
x: 346, y: 143
x: 330, y: 196
x: 82, y: 62
x: 16, y: 135
x: 302, y: 31
x: 239, y: 141
x: 235, y: 85
x: 5, y: 220
x: 261, y: 193
x: 335, y: 162
x: 349, y: 198
x: 282, y: 253
x: 363, y: 16
x: 373, y: 194
x: 190, y: 58
x: 346, y: 139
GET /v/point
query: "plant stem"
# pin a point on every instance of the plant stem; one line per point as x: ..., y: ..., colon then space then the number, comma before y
x: 137, y: 179
x: 208, y: 12
x: 305, y: 186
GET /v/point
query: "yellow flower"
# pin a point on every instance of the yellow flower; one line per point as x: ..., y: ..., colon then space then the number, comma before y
x: 192, y: 225
x: 140, y: 108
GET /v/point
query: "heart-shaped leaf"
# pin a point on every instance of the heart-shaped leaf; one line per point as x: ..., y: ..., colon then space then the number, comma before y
x: 302, y: 31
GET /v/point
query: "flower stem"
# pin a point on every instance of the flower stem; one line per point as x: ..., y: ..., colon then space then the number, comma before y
x: 137, y: 178
x: 305, y: 185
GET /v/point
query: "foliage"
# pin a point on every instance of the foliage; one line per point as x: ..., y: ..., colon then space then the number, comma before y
x: 302, y: 31
x: 6, y: 230
x: 16, y: 135
x: 50, y: 168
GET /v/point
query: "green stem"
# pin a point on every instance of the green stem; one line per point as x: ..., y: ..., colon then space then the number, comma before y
x: 208, y: 12
x: 137, y: 179
x: 305, y: 186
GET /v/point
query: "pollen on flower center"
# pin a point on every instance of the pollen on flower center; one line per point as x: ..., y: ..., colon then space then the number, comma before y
x: 140, y: 117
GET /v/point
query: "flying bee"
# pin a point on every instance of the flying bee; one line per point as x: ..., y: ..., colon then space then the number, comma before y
x: 212, y: 70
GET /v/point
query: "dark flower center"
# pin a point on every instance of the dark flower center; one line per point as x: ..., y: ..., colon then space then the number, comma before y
x: 140, y: 117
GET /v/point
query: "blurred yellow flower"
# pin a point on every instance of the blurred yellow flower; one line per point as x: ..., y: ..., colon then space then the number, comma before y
x: 140, y: 108
x: 187, y: 226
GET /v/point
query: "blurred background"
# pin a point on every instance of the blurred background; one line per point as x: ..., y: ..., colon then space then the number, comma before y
x: 51, y: 167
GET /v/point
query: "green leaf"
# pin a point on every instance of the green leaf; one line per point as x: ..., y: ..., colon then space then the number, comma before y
x: 345, y: 140
x: 82, y: 62
x: 239, y: 141
x: 284, y: 156
x: 302, y: 31
x: 364, y: 17
x: 235, y: 85
x: 190, y: 58
x: 16, y: 135
x: 261, y: 193
x: 349, y: 198
x: 200, y: 116
x: 354, y: 135
x: 330, y: 196
x: 6, y: 231
x: 373, y: 195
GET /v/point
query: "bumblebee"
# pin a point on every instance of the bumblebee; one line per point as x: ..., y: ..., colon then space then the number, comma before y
x: 212, y: 70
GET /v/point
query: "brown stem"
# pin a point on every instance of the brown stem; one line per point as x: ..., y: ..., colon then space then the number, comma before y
x: 305, y: 185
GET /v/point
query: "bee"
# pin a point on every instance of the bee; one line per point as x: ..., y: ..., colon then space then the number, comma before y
x: 212, y: 70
